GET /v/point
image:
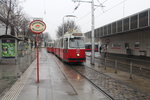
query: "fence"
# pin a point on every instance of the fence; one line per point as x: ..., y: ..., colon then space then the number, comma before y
x: 131, y: 66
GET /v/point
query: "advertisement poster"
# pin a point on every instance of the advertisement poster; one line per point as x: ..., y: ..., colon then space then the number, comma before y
x: 8, y: 48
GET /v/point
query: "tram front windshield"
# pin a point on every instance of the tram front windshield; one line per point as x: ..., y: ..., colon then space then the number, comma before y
x: 76, y: 42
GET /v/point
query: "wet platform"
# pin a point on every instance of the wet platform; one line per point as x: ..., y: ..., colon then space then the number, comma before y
x: 57, y: 82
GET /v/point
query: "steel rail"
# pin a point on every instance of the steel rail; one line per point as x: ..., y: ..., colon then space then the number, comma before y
x: 101, y: 90
x: 115, y: 80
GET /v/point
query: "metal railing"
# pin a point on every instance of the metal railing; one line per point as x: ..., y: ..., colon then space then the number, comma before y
x: 129, y: 66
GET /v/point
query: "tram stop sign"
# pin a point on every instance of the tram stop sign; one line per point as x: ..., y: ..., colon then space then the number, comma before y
x: 37, y: 26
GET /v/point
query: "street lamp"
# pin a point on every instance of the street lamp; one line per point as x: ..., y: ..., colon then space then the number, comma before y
x: 63, y: 21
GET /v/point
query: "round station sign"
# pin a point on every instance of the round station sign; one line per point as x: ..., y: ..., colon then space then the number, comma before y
x: 37, y: 26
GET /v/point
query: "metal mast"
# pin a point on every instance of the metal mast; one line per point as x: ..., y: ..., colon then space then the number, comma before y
x: 92, y: 28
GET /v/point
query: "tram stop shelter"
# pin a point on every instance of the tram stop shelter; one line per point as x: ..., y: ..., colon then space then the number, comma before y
x: 8, y: 47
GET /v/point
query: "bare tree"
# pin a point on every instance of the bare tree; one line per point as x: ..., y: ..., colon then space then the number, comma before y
x: 67, y: 26
x: 11, y: 14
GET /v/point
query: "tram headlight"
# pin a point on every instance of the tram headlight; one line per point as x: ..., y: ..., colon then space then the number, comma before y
x: 78, y: 55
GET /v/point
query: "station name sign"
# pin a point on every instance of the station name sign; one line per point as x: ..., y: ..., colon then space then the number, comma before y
x: 37, y: 26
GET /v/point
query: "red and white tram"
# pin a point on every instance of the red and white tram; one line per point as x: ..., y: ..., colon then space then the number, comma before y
x: 70, y: 47
x: 88, y: 47
x: 50, y: 47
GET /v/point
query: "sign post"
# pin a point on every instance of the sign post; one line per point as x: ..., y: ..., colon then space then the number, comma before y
x: 37, y: 27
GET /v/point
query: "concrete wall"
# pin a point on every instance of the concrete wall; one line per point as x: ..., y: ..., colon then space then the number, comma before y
x: 116, y: 43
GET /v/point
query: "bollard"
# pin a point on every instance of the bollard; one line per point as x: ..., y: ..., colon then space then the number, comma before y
x: 131, y: 65
x: 99, y: 62
x: 116, y: 66
x: 105, y: 63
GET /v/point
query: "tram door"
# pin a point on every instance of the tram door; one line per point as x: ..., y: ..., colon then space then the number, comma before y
x: 65, y: 55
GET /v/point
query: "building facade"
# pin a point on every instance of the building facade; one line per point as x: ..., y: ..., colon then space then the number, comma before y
x: 127, y: 36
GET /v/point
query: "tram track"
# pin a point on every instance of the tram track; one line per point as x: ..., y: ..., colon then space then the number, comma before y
x: 90, y: 80
x: 103, y: 92
x: 113, y: 88
x: 110, y: 87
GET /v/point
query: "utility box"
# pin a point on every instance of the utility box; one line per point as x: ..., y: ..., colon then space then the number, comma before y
x: 8, y: 47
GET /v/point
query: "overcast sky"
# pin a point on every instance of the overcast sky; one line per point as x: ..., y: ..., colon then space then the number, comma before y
x: 53, y: 11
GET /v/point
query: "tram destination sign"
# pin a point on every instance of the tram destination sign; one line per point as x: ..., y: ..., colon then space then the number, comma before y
x: 37, y: 26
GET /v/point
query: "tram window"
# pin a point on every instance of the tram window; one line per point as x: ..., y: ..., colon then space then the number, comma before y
x: 66, y: 43
x: 76, y: 42
x: 61, y: 43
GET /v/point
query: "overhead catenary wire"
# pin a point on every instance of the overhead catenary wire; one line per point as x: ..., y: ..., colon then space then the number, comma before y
x: 100, y: 14
x: 100, y: 4
x: 77, y: 7
x: 109, y: 9
x: 103, y: 11
x: 104, y: 1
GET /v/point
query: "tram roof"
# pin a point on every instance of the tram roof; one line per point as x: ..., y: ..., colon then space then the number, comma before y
x: 74, y: 33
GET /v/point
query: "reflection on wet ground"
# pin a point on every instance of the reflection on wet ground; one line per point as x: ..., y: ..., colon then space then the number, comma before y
x: 138, y: 82
x: 11, y: 70
x: 58, y: 82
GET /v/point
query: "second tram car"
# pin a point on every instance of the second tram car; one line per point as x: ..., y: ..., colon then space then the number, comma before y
x: 71, y: 47
x: 50, y: 46
x: 88, y: 47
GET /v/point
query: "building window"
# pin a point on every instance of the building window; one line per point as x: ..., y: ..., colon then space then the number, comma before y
x: 116, y: 46
x: 143, y: 19
x: 148, y: 45
x: 109, y: 29
x: 126, y: 24
x: 119, y: 26
x: 105, y: 30
x: 102, y: 32
x: 134, y: 21
x: 137, y: 45
x: 114, y: 27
